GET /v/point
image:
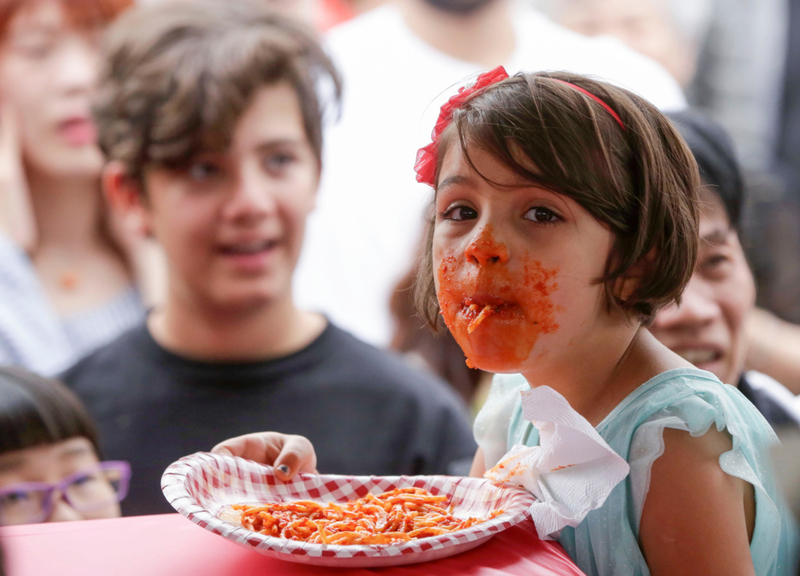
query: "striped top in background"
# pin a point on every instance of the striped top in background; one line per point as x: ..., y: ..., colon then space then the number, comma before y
x: 34, y: 336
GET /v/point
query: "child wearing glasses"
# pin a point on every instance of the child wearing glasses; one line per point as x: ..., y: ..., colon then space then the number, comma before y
x: 50, y: 466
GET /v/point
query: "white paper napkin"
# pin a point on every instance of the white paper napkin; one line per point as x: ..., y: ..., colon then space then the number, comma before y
x: 572, y: 470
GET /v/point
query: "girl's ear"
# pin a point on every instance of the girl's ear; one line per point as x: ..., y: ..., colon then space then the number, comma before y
x: 625, y: 286
x: 126, y: 199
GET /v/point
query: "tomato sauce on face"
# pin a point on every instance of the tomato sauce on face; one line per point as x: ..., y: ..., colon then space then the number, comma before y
x: 495, y: 312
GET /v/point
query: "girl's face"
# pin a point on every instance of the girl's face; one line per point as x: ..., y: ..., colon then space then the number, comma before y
x: 47, y: 73
x: 49, y: 464
x: 515, y: 267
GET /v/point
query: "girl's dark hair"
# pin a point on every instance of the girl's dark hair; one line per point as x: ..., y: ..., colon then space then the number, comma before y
x: 36, y: 410
x: 640, y: 181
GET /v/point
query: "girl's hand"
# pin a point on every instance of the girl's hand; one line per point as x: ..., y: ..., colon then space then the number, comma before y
x: 16, y: 210
x: 288, y: 454
x: 478, y: 468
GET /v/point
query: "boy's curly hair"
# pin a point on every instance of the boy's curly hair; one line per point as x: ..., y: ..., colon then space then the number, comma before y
x: 178, y: 76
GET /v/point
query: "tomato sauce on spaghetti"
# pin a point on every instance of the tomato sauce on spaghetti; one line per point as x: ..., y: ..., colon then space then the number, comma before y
x: 394, y: 516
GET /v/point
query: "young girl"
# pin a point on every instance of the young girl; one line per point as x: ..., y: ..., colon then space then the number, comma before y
x: 66, y: 268
x: 564, y: 217
x: 50, y: 469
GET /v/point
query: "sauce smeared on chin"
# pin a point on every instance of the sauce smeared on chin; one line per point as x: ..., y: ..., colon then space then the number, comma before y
x: 496, y: 315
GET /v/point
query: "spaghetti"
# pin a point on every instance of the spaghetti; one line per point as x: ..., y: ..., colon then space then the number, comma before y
x: 394, y: 516
x: 480, y: 318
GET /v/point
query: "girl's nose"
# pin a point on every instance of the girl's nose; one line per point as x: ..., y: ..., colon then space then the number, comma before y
x: 485, y: 249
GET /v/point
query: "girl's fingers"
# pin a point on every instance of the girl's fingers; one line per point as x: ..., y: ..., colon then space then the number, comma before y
x: 262, y: 447
x: 297, y: 455
x: 288, y: 454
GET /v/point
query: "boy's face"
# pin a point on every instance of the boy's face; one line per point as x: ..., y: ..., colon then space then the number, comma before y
x: 524, y: 258
x: 707, y: 329
x: 232, y: 223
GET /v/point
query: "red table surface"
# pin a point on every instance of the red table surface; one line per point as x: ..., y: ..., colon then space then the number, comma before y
x: 171, y: 545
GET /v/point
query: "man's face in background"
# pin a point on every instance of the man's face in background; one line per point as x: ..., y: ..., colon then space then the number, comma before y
x: 708, y: 328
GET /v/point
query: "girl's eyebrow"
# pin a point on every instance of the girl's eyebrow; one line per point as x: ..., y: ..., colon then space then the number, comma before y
x: 75, y: 451
x: 11, y: 463
x: 455, y: 180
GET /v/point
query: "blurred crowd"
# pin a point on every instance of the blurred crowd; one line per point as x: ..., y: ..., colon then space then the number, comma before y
x: 134, y: 152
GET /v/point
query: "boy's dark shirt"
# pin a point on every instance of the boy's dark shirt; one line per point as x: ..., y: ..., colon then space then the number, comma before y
x: 366, y: 411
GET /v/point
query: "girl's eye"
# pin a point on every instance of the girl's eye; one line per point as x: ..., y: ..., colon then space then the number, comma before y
x: 460, y: 213
x: 541, y: 214
x: 15, y: 498
x: 84, y: 480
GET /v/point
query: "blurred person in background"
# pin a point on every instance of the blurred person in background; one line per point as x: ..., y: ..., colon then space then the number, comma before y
x: 67, y: 269
x: 323, y: 14
x: 224, y: 170
x: 396, y: 61
x: 709, y: 327
x: 749, y: 81
x: 668, y: 31
x: 726, y: 53
x: 50, y: 463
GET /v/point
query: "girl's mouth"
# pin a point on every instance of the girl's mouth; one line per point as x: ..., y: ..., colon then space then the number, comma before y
x: 479, y: 318
x: 478, y: 308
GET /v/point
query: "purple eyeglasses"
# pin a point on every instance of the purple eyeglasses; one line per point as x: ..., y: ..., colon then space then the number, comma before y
x: 86, y: 491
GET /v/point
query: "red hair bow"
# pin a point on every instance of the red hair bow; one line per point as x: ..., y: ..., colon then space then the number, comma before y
x: 428, y: 155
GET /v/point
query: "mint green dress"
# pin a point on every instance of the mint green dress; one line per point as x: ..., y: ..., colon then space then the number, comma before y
x: 606, y: 542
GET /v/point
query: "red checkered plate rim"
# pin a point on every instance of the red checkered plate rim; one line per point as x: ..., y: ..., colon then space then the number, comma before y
x: 202, y: 485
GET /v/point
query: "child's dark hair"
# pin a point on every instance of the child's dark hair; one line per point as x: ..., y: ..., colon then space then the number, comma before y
x: 641, y: 180
x: 178, y: 76
x: 36, y: 411
x: 716, y: 158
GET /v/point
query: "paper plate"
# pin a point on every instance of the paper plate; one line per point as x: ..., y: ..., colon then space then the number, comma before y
x: 202, y: 485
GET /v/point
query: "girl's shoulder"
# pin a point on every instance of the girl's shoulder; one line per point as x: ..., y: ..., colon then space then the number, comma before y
x: 689, y: 399
x: 695, y: 401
